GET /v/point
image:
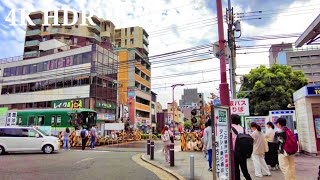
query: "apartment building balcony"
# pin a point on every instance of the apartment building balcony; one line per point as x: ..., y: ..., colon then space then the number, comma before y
x: 146, y: 48
x: 31, y: 54
x: 145, y: 40
x: 33, y: 32
x: 95, y: 28
x: 32, y: 43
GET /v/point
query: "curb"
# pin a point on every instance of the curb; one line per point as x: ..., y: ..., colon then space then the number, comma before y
x: 178, y: 176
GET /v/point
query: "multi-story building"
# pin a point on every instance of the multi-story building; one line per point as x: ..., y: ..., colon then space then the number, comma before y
x: 132, y: 37
x: 65, y: 37
x: 305, y: 59
x: 190, y: 98
x: 87, y: 74
x: 134, y: 78
x: 176, y: 112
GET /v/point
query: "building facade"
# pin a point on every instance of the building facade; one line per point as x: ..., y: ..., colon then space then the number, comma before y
x: 134, y: 78
x: 132, y: 37
x: 65, y: 37
x: 87, y: 74
x: 307, y: 60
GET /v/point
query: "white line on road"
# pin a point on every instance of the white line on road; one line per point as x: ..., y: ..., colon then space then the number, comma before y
x: 91, y: 151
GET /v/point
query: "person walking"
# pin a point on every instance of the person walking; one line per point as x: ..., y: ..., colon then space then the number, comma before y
x: 66, y: 139
x: 93, y: 133
x: 84, y: 136
x: 288, y: 147
x: 166, y: 140
x: 207, y: 139
x: 259, y: 149
x: 271, y: 156
x: 239, y: 159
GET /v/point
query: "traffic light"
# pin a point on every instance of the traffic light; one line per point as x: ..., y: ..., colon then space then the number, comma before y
x: 193, y: 114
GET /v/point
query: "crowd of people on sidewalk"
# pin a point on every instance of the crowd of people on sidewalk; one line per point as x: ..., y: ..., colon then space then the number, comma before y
x: 271, y: 151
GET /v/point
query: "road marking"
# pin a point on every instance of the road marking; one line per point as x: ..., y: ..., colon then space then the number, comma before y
x: 85, y: 159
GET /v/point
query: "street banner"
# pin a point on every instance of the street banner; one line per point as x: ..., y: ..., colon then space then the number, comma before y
x: 240, y: 107
x: 221, y: 119
x: 260, y: 120
x: 3, y: 116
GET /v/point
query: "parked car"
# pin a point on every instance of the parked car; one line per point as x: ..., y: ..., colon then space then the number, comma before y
x: 24, y: 139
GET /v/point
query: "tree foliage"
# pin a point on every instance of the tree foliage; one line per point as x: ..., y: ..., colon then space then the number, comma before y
x: 271, y: 88
x: 187, y: 125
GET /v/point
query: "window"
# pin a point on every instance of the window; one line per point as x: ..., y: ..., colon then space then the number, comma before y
x: 69, y: 61
x: 59, y: 83
x: 13, y: 71
x: 53, y: 120
x: 19, y: 122
x: 26, y: 69
x: 39, y: 67
x: 32, y: 133
x: 40, y: 120
x: 61, y: 63
x: 75, y: 40
x: 125, y: 42
x: 131, y: 41
x: 31, y: 121
x: 132, y: 31
x: 77, y: 59
x: 33, y: 68
x: 87, y: 57
x: 45, y: 66
x: 67, y: 82
x: 18, y: 88
x: 45, y: 28
x: 11, y: 132
x: 6, y: 72
x: 125, y: 32
x: 58, y: 120
x: 19, y: 70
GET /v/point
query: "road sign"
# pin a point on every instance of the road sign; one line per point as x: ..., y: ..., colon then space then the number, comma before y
x: 240, y: 106
x: 216, y: 102
x: 221, y: 150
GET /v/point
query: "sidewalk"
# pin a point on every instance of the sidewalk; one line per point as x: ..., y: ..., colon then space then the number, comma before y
x: 306, y: 166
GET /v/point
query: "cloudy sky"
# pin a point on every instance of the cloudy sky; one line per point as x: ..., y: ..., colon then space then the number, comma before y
x: 175, y: 25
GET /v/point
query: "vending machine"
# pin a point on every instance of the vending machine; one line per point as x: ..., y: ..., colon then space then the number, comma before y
x: 289, y: 115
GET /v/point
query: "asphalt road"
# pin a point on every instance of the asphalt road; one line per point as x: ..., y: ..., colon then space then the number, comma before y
x: 73, y: 164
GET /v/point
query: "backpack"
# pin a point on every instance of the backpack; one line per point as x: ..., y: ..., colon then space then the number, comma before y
x: 291, y: 144
x: 83, y: 134
x: 244, y: 144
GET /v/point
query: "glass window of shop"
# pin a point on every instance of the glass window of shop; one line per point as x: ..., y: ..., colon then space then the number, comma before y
x: 33, y: 68
x: 87, y: 57
x: 40, y: 67
x: 26, y: 69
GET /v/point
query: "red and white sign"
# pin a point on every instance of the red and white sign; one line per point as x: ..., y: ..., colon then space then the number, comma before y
x: 239, y: 106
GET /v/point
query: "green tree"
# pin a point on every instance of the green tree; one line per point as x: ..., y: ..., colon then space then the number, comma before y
x: 271, y: 88
x: 187, y: 125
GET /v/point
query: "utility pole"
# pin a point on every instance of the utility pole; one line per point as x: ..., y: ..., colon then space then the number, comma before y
x: 231, y: 43
x: 174, y: 123
x: 224, y: 87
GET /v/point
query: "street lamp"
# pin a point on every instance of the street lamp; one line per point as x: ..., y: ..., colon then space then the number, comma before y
x: 173, y: 86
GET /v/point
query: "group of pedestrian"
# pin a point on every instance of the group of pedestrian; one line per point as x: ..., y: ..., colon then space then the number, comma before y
x: 275, y: 149
x: 84, y: 134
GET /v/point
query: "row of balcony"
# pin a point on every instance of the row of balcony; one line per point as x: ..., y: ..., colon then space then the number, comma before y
x: 145, y: 39
x: 33, y: 32
x: 146, y: 48
x: 31, y: 54
x: 32, y: 43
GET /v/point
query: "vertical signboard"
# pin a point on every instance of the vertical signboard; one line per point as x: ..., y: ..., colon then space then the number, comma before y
x: 221, y: 117
x: 3, y: 116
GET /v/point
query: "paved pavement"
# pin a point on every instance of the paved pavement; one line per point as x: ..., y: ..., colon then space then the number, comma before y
x: 306, y: 166
x: 73, y: 164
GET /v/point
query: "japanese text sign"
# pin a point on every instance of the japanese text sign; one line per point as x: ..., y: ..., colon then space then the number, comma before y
x: 239, y: 106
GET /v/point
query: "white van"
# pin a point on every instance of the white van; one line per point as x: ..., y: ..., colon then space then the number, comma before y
x: 14, y: 139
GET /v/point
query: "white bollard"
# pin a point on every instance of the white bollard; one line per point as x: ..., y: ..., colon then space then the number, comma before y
x: 191, y: 167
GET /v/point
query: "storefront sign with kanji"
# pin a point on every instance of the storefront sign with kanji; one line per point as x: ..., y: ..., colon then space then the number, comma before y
x: 239, y: 106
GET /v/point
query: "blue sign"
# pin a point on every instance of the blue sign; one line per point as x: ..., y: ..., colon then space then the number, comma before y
x: 216, y: 102
x: 314, y: 90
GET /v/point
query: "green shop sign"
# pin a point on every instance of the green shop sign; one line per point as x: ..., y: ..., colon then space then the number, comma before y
x: 68, y: 103
x: 105, y: 105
